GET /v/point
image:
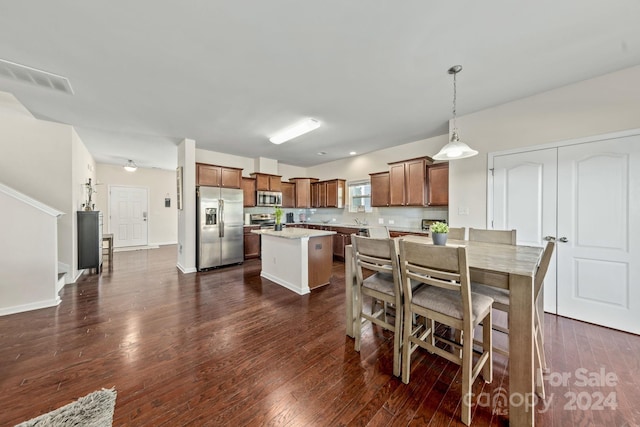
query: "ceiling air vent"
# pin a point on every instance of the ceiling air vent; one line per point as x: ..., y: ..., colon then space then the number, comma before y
x: 34, y: 76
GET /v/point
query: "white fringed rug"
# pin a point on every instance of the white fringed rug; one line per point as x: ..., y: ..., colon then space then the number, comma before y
x: 92, y: 410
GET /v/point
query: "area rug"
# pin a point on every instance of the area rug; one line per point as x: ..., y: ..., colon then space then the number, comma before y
x: 92, y: 410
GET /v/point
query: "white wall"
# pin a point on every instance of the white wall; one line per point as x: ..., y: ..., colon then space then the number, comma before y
x: 222, y: 159
x: 160, y: 183
x: 37, y: 159
x: 592, y: 107
x: 28, y: 256
x: 187, y: 215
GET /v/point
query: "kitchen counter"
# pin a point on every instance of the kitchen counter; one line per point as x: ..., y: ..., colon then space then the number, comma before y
x: 400, y: 229
x: 298, y: 259
x: 294, y: 233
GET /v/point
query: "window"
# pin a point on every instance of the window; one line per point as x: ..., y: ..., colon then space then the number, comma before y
x: 360, y: 196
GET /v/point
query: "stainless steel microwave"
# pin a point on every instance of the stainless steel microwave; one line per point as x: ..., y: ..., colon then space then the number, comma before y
x: 268, y: 198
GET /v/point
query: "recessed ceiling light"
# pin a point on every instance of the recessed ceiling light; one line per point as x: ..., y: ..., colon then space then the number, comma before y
x: 294, y: 131
x: 352, y: 153
x: 321, y: 153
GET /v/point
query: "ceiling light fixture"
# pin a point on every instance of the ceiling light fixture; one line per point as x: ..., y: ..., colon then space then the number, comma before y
x: 352, y: 153
x: 294, y: 131
x: 130, y: 166
x: 455, y: 149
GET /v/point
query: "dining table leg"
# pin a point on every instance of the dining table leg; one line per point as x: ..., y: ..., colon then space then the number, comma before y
x: 349, y: 281
x: 521, y: 347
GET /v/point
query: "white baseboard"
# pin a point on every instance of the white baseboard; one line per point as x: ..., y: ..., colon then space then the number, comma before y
x: 28, y: 307
x: 186, y: 270
x: 163, y: 243
x: 285, y: 284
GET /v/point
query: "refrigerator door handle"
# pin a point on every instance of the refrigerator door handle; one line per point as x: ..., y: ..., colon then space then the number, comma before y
x: 221, y: 222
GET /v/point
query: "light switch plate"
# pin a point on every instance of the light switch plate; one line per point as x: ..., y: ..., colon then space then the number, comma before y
x: 380, y: 220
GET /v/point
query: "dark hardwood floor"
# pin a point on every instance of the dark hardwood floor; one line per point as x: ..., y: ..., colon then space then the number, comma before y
x: 226, y: 347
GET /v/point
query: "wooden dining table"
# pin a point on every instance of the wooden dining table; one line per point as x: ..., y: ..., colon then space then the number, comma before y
x: 511, y: 267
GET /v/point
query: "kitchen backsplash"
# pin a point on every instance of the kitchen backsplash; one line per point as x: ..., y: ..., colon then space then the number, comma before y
x: 401, y: 217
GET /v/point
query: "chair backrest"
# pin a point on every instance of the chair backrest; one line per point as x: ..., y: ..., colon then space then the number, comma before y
x: 442, y: 266
x: 543, y: 267
x: 507, y: 237
x: 379, y: 255
x: 457, y: 233
x: 379, y: 232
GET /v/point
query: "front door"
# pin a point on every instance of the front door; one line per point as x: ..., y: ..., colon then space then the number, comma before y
x: 128, y: 216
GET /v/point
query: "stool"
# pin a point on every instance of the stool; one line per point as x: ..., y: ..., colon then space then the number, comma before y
x: 109, y: 239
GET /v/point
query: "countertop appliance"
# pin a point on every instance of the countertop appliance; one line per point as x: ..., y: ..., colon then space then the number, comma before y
x: 268, y: 198
x: 219, y: 227
x: 289, y: 217
x: 426, y: 223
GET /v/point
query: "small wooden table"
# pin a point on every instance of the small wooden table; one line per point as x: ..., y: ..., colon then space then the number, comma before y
x: 503, y: 266
x: 109, y: 239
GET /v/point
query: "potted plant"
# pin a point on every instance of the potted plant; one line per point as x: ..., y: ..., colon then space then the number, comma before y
x: 439, y: 231
x: 278, y: 213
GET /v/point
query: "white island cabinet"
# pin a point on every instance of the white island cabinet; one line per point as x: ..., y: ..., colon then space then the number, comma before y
x: 299, y: 259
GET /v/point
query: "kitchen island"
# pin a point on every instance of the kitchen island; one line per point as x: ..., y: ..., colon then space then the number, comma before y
x: 299, y: 259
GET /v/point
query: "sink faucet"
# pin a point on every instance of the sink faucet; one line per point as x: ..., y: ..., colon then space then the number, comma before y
x: 361, y: 221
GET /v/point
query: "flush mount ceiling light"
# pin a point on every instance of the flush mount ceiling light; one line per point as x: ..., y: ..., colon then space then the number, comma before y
x: 130, y: 166
x: 455, y: 149
x: 294, y: 131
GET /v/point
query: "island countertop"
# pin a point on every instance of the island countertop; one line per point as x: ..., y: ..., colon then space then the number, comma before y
x: 294, y: 233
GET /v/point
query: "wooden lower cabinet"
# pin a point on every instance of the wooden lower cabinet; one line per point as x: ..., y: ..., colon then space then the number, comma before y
x: 341, y: 239
x: 319, y: 261
x: 251, y: 243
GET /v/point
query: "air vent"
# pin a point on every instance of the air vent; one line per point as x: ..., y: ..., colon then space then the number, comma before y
x: 34, y: 76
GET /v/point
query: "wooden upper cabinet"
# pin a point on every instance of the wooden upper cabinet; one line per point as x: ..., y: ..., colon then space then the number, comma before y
x: 249, y: 191
x: 319, y: 194
x: 218, y: 176
x: 303, y: 191
x: 288, y: 195
x: 438, y: 184
x: 335, y: 193
x: 396, y: 185
x: 379, y: 189
x: 408, y: 183
x: 267, y: 182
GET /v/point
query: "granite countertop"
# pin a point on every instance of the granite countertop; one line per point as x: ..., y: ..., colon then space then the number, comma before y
x: 294, y: 233
x: 358, y: 226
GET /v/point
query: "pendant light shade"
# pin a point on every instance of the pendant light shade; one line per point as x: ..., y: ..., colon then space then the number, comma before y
x: 455, y: 149
x: 130, y: 166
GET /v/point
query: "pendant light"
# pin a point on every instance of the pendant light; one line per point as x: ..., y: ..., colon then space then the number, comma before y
x: 130, y: 166
x: 455, y: 149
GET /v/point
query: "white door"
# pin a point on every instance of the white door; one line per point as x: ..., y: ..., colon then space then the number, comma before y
x: 597, y: 269
x: 599, y: 217
x: 128, y: 216
x: 524, y: 199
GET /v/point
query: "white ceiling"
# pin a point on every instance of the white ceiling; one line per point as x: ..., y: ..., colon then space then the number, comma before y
x: 229, y: 74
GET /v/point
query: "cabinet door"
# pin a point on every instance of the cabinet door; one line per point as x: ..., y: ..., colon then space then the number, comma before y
x: 275, y: 183
x: 396, y: 185
x: 262, y: 182
x: 438, y: 184
x: 303, y: 193
x: 251, y: 244
x: 380, y: 189
x: 335, y: 193
x: 415, y: 183
x: 288, y: 194
x: 249, y: 192
x: 318, y: 194
x: 230, y: 177
x: 208, y: 175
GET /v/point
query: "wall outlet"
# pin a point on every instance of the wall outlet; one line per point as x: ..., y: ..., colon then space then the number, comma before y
x: 463, y: 211
x: 391, y: 221
x: 380, y: 220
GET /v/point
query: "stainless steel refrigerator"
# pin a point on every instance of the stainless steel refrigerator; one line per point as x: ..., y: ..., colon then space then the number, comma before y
x: 219, y: 230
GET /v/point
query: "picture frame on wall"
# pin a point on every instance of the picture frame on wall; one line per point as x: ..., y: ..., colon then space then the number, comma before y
x: 179, y: 187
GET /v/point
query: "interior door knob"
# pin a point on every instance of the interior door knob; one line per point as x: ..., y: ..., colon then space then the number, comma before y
x: 563, y: 239
x: 550, y: 238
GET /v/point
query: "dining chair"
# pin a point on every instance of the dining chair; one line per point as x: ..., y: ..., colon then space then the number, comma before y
x: 457, y: 233
x: 380, y: 256
x: 507, y: 237
x: 501, y: 303
x: 379, y: 232
x: 447, y: 300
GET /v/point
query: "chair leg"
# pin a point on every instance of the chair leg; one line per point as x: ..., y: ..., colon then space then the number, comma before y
x: 540, y: 338
x: 357, y: 332
x: 407, y: 329
x: 467, y: 369
x: 539, y: 356
x: 397, y: 343
x: 487, y: 347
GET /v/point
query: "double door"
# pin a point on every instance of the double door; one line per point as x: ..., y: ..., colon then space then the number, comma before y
x: 587, y: 196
